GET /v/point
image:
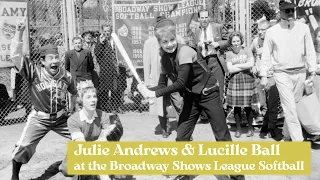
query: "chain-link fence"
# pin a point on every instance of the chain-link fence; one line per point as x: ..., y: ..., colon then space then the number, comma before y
x: 46, y: 21
x: 260, y: 9
x: 116, y: 88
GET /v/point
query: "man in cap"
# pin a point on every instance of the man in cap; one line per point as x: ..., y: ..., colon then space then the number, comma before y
x: 287, y: 49
x: 48, y: 85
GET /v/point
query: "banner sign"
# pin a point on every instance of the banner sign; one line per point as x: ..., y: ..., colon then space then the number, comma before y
x: 10, y: 12
x: 134, y: 23
x: 311, y: 9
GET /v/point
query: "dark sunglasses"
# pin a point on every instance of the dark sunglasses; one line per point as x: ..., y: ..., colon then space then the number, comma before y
x: 289, y: 10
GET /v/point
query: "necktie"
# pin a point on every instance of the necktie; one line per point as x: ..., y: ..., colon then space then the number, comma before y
x: 205, y: 41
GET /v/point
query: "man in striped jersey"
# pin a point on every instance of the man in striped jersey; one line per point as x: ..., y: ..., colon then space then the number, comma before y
x: 48, y: 85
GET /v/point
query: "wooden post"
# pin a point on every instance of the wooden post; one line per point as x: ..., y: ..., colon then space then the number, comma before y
x: 237, y: 14
x: 242, y: 17
x: 71, y: 21
x: 71, y: 30
x: 65, y: 24
x: 248, y: 23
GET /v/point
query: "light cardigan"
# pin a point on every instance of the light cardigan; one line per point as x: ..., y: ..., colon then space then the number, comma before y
x: 286, y: 49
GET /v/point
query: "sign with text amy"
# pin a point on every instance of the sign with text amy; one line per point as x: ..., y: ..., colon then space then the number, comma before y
x: 10, y: 13
x: 134, y: 23
x: 189, y: 158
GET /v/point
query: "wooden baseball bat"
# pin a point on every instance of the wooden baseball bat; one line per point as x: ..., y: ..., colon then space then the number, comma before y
x: 124, y: 54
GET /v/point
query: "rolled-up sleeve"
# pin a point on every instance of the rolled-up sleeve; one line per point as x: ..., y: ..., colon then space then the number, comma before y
x: 74, y: 127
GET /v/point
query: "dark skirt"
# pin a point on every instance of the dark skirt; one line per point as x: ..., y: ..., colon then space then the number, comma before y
x: 241, y: 90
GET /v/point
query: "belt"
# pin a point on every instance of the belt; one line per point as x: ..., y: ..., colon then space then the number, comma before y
x: 50, y: 115
x: 209, y: 90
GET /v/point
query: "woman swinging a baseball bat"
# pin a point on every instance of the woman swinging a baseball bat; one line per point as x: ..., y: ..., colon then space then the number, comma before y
x: 192, y: 78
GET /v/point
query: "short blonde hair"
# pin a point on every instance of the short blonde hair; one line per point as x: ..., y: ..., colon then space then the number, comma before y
x: 82, y: 88
x: 162, y: 31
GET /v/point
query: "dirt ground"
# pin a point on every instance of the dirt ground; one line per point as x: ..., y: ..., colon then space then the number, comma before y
x: 137, y: 127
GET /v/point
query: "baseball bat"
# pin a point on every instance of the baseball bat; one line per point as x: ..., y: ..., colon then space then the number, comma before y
x: 124, y: 54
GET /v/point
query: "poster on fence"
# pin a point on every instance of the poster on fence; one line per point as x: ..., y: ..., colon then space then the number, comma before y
x: 10, y: 12
x: 311, y: 9
x: 134, y: 23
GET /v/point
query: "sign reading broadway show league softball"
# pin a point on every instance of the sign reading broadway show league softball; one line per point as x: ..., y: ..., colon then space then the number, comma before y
x: 10, y: 12
x: 134, y: 23
x: 310, y: 8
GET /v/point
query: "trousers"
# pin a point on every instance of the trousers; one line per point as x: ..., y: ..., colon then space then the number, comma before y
x: 193, y: 105
x: 290, y: 86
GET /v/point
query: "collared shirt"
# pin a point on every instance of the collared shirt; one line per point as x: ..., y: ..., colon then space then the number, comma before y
x: 83, y: 117
x: 288, y: 46
x: 89, y: 129
x: 209, y: 37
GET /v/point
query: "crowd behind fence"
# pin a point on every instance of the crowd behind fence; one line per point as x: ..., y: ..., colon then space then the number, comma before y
x: 47, y: 27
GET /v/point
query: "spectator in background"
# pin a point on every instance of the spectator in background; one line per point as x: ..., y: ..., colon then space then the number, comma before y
x: 211, y: 41
x: 117, y: 95
x: 303, y: 19
x: 106, y: 58
x: 79, y: 63
x: 58, y: 39
x: 89, y: 44
x: 287, y: 48
x: 241, y: 92
x: 269, y: 97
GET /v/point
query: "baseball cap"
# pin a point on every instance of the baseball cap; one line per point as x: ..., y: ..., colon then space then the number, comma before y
x: 48, y: 49
x: 286, y: 4
x: 163, y: 21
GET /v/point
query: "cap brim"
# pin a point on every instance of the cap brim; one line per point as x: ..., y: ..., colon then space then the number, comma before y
x: 287, y: 6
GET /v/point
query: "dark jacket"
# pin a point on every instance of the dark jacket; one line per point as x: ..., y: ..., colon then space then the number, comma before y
x: 80, y: 68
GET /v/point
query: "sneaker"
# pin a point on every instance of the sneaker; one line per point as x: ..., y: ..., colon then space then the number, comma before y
x: 272, y: 133
x: 250, y: 132
x: 237, y: 134
x: 165, y: 134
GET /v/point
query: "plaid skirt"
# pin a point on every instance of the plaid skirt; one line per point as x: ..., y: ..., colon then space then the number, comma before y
x: 241, y: 91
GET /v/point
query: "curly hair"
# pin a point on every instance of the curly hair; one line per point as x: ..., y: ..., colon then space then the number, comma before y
x: 234, y: 34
